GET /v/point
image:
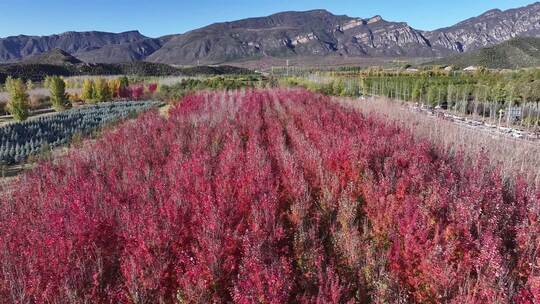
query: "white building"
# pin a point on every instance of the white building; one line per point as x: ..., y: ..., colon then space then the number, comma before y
x: 470, y: 69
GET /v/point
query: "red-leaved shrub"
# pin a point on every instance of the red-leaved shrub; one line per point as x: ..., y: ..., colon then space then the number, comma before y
x: 152, y: 88
x: 136, y: 92
x: 271, y: 196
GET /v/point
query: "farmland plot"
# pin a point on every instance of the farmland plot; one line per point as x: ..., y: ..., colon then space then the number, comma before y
x: 20, y: 140
x: 271, y: 196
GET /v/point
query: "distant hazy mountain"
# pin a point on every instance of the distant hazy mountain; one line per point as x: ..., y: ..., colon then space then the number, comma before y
x: 289, y: 34
x: 87, y: 46
x: 516, y: 53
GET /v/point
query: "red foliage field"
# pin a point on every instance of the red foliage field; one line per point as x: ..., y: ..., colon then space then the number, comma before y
x: 273, y: 196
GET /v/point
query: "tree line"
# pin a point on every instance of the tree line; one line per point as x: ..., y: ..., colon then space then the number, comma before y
x: 484, y: 93
x: 93, y: 91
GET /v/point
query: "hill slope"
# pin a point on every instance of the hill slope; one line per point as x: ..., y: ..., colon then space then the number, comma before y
x: 88, y: 46
x: 320, y: 33
x: 512, y: 54
x: 491, y: 28
x: 54, y: 57
x: 312, y: 33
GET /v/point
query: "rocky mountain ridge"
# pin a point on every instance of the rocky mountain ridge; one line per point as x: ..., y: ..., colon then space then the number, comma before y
x: 520, y: 52
x: 287, y: 34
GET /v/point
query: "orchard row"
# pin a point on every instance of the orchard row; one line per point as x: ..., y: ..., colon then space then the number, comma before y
x: 20, y: 140
x: 269, y: 196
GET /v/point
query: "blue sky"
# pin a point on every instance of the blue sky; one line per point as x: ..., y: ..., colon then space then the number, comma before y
x: 160, y: 17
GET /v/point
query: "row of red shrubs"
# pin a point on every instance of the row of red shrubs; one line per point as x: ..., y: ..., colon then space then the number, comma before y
x: 134, y: 92
x: 267, y: 197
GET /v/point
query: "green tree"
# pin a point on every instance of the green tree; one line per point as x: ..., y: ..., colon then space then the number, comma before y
x: 364, y: 84
x: 88, y: 90
x: 18, y: 101
x: 59, y: 98
x: 101, y: 90
x: 499, y: 93
x: 47, y: 81
x: 338, y: 87
x: 432, y: 95
x: 417, y: 90
x: 123, y: 87
x: 124, y: 81
x: 29, y: 84
x: 513, y: 93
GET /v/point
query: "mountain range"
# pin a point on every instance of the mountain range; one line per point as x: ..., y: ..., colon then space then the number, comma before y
x: 316, y: 33
x: 520, y: 52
